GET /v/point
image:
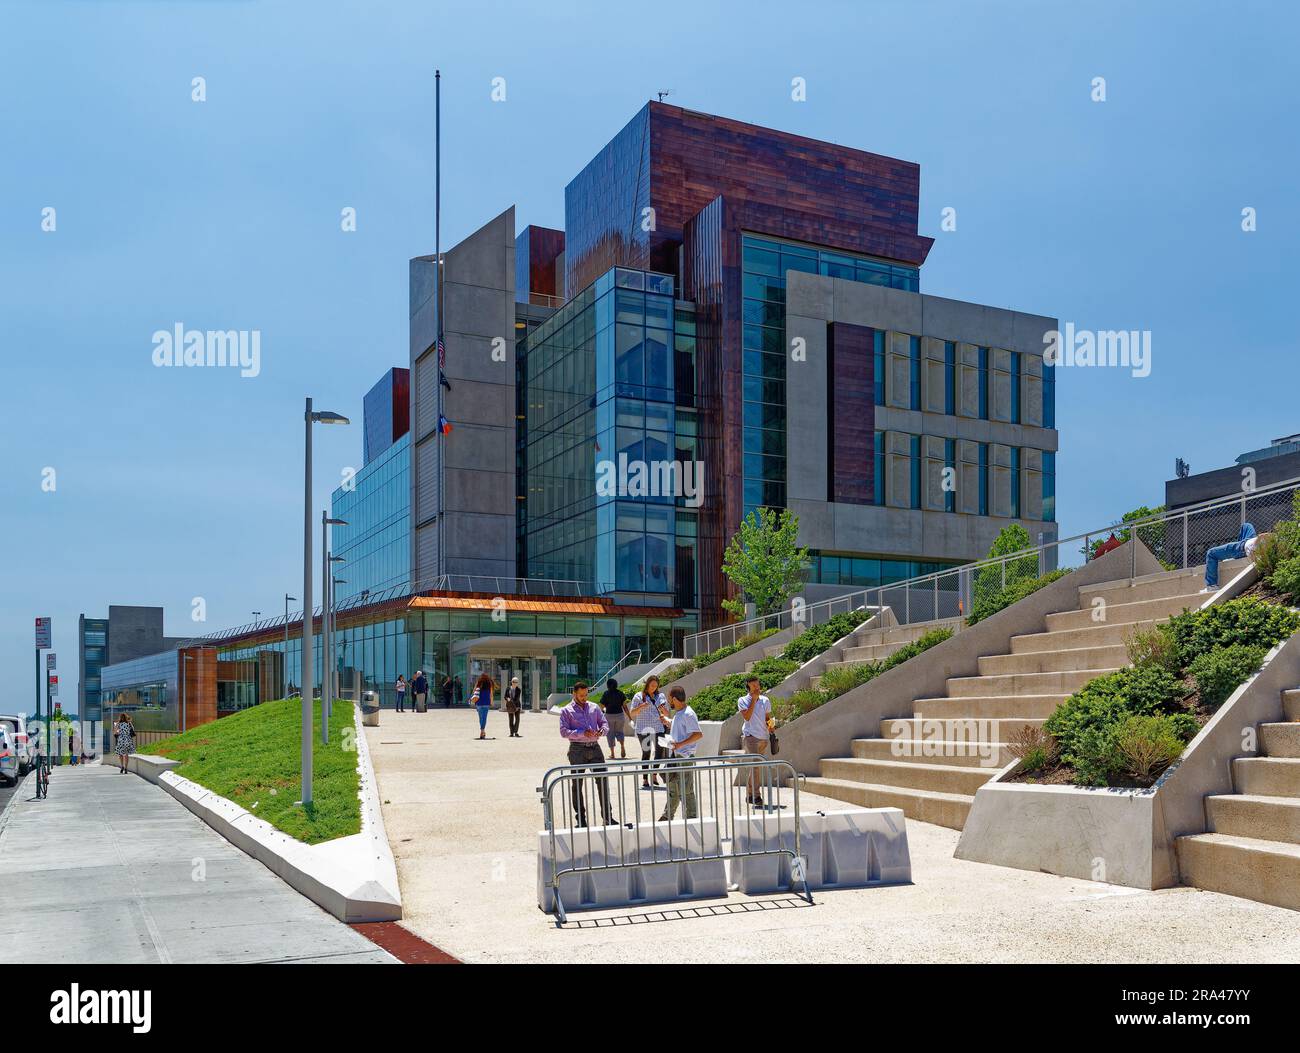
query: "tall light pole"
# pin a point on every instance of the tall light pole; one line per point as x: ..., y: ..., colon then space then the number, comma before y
x: 308, y: 673
x: 284, y: 662
x: 326, y: 637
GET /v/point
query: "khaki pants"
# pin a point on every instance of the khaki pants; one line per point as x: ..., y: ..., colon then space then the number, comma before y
x: 759, y: 747
x: 681, y: 787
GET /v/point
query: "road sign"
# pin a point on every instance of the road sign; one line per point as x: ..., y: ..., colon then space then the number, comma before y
x: 54, y: 685
x: 49, y: 660
x: 44, y: 633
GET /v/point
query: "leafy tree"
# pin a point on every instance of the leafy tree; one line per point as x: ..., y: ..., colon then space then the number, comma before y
x: 989, y: 581
x: 764, y: 561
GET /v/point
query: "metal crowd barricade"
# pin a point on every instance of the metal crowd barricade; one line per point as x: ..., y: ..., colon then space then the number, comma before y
x: 602, y: 808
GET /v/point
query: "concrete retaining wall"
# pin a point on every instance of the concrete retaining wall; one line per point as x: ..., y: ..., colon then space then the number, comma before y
x: 828, y: 730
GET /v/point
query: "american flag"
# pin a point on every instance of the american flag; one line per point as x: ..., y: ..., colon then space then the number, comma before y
x: 442, y: 354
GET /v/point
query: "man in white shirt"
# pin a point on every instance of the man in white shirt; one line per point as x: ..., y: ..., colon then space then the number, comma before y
x: 684, y: 736
x: 755, y: 709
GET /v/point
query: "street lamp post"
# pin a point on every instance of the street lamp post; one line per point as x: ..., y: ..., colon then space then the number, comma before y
x: 310, y: 417
x: 284, y: 663
x: 326, y: 630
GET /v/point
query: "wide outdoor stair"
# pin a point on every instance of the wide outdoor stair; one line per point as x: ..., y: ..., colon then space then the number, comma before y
x: 874, y: 645
x: 931, y: 764
x: 1253, y: 850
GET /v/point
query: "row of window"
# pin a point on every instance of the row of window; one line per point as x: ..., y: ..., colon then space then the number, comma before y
x: 985, y: 373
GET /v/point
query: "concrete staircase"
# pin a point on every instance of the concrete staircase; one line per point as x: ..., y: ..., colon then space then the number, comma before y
x: 874, y: 645
x: 931, y: 764
x: 1254, y: 847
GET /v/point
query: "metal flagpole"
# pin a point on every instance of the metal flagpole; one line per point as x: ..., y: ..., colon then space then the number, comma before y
x: 437, y: 306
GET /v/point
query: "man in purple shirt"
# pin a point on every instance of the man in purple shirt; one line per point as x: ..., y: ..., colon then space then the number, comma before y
x: 583, y: 723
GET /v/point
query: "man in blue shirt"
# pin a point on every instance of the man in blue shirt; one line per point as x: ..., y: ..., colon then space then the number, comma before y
x: 684, y: 736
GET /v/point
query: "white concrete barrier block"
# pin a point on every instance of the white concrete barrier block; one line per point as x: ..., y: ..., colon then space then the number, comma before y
x: 649, y: 863
x: 846, y: 848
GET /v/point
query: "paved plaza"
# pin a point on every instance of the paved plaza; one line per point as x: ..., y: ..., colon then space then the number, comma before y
x: 463, y: 817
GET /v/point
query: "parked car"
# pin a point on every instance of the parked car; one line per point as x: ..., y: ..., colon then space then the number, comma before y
x: 8, y: 757
x: 16, y: 724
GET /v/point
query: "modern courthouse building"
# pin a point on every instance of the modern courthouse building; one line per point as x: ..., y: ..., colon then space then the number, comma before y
x: 739, y: 311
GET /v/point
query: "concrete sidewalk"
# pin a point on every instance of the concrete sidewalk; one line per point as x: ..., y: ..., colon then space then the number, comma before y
x: 463, y: 816
x: 110, y: 868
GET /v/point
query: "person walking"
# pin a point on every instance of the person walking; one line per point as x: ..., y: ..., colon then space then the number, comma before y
x: 583, y: 725
x: 685, y: 736
x: 123, y: 739
x: 421, y: 686
x: 401, y: 693
x: 446, y: 691
x: 755, y: 710
x: 514, y: 698
x: 482, y: 701
x: 649, y: 710
x: 458, y: 690
x: 613, y: 702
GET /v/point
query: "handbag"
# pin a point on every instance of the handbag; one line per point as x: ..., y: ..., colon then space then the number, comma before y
x: 774, y: 743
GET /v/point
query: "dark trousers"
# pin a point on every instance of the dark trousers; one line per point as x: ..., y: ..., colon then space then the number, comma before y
x: 589, y: 755
x: 513, y: 716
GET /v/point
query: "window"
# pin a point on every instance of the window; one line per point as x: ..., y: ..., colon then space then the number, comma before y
x: 916, y: 471
x: 950, y: 377
x: 879, y: 365
x: 1049, y: 486
x: 984, y: 383
x: 984, y: 478
x: 914, y: 353
x: 1015, y: 387
x: 1015, y: 482
x: 1049, y: 395
x: 950, y: 475
x: 879, y: 473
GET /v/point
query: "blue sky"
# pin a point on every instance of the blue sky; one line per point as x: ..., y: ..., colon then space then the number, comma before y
x: 225, y: 214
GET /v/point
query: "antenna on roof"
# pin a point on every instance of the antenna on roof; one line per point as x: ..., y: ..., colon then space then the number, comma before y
x: 661, y: 94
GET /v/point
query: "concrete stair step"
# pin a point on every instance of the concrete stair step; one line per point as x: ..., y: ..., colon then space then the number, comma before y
x: 1265, y: 871
x: 959, y: 729
x: 1280, y: 740
x: 1076, y: 658
x: 988, y: 707
x: 1023, y: 683
x: 939, y: 778
x: 1267, y: 776
x: 968, y: 753
x: 922, y: 806
x: 1121, y: 613
x: 867, y: 653
x: 1291, y: 703
x: 1112, y: 633
x: 1146, y: 587
x: 1256, y: 816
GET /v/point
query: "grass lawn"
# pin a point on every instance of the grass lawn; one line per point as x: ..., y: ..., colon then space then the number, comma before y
x: 254, y: 758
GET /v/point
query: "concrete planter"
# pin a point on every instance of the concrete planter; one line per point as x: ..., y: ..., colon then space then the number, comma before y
x: 1123, y: 836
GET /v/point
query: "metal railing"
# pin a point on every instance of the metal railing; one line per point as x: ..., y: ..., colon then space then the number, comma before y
x: 623, y: 662
x: 1179, y: 539
x: 718, y: 823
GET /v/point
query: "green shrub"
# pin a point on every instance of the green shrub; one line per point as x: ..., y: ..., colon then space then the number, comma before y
x: 796, y: 704
x: 1286, y: 578
x: 1219, y: 672
x: 1282, y: 543
x: 1248, y: 621
x: 718, y: 701
x: 1153, y: 647
x: 1034, y: 748
x: 835, y: 682
x: 1144, y: 746
x: 987, y: 603
x: 816, y: 638
x: 1084, y: 724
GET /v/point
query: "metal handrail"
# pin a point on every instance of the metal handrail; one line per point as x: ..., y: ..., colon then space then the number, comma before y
x: 691, y: 643
x: 617, y: 666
